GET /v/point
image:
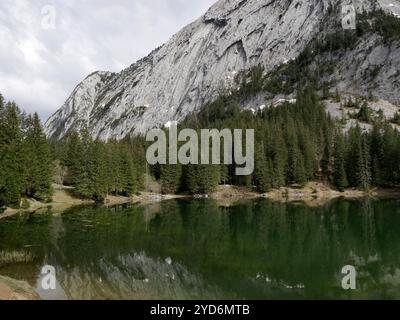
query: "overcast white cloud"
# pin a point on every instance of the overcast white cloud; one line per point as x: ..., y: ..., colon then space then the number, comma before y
x: 40, y: 67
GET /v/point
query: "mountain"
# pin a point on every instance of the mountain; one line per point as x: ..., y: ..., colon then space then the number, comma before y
x: 206, y: 57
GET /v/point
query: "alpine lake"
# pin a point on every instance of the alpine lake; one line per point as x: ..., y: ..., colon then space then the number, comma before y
x: 197, y: 249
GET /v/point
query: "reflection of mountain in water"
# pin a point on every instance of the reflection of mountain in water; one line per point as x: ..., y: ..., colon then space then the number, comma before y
x: 258, y: 249
x: 135, y: 276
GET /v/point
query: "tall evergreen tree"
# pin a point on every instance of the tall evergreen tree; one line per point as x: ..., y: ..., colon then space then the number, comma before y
x: 364, y: 164
x: 37, y: 161
x: 339, y: 171
x: 72, y: 159
x: 11, y: 167
x: 170, y: 179
x: 376, y: 147
x: 87, y: 167
x: 353, y: 141
x: 295, y: 169
x: 2, y: 152
x: 263, y: 169
x: 191, y: 176
x: 127, y: 171
x: 99, y: 174
x: 278, y: 153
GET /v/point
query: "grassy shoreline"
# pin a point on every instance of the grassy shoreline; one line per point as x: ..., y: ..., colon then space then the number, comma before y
x: 61, y: 201
x: 314, y: 193
x: 64, y: 199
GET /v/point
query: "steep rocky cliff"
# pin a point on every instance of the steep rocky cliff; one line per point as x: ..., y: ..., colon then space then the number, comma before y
x: 205, y: 58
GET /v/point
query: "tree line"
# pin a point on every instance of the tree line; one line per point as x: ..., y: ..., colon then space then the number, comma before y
x: 295, y: 143
x: 30, y: 163
x: 25, y: 158
x: 95, y: 168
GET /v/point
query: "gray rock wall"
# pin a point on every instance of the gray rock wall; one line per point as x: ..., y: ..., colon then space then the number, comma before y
x: 193, y: 66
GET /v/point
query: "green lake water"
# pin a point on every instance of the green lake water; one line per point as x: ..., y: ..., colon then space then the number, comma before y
x: 195, y: 249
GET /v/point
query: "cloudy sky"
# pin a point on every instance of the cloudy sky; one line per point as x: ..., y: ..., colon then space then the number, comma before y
x: 48, y: 46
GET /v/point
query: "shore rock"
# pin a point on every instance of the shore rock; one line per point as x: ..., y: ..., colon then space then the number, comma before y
x: 11, y: 289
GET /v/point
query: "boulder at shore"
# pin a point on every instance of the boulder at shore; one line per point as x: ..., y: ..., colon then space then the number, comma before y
x: 11, y: 289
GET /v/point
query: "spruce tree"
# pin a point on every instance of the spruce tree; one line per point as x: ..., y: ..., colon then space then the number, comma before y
x: 12, y: 178
x: 191, y: 174
x: 37, y: 161
x: 364, y: 164
x: 390, y: 152
x: 295, y: 170
x: 127, y: 171
x: 208, y: 178
x: 278, y: 153
x: 353, y: 142
x: 25, y: 159
x: 170, y: 178
x: 376, y: 146
x: 87, y: 167
x: 2, y: 153
x: 263, y: 171
x: 263, y: 175
x: 72, y: 159
x: 114, y: 170
x: 224, y: 174
x: 99, y: 171
x: 339, y: 171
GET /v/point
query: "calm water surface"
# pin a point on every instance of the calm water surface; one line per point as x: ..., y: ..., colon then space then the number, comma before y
x: 190, y: 249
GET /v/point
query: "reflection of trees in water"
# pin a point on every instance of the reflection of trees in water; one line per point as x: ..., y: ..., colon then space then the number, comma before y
x: 368, y: 226
x: 291, y: 244
x: 26, y: 238
x: 254, y: 249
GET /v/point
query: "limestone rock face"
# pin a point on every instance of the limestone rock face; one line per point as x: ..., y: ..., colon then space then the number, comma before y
x: 195, y: 65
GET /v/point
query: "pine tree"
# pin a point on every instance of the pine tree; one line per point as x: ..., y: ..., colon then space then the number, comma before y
x: 113, y: 168
x: 208, y: 178
x: 25, y: 160
x: 191, y: 174
x: 81, y: 163
x: 83, y: 185
x: 127, y: 171
x: 376, y: 154
x: 263, y: 169
x: 339, y: 171
x: 263, y: 175
x: 2, y: 152
x: 278, y: 154
x: 364, y: 164
x: 72, y: 159
x: 309, y: 152
x: 11, y: 155
x: 353, y: 142
x: 37, y: 161
x: 171, y: 176
x: 299, y: 172
x: 365, y: 113
x: 224, y: 173
x: 296, y: 173
x: 99, y: 171
x: 389, y: 166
